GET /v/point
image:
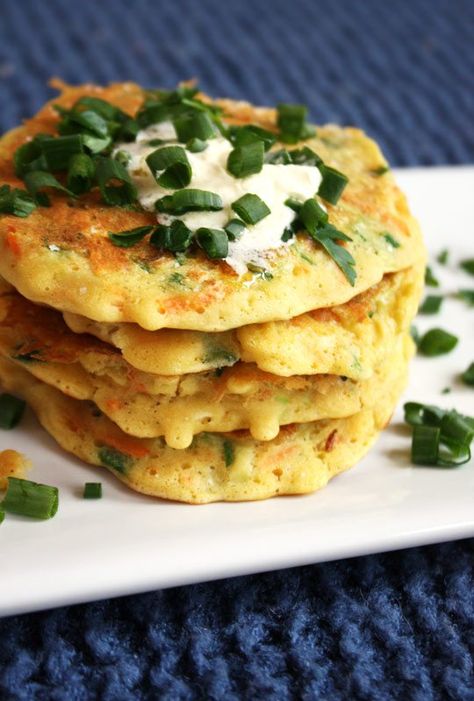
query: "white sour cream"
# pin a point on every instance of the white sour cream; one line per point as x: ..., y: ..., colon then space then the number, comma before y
x: 273, y: 184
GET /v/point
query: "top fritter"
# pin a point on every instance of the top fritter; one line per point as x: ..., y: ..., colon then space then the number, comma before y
x: 169, y: 210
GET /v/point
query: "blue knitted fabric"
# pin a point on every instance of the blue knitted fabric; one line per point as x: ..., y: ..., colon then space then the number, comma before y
x: 384, y: 627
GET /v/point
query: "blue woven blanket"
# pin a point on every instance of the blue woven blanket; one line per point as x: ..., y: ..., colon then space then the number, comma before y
x: 385, y: 627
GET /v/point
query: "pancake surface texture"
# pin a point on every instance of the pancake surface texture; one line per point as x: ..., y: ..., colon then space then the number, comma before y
x: 62, y: 255
x: 225, y: 467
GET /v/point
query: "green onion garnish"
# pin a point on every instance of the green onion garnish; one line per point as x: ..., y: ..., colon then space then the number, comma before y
x: 391, y: 240
x: 250, y: 133
x: 106, y: 110
x: 246, y: 159
x: 80, y: 174
x: 414, y: 333
x: 213, y: 241
x: 437, y: 342
x: 431, y: 305
x: 59, y: 151
x: 111, y: 457
x: 278, y: 158
x: 175, y: 238
x: 381, y: 170
x: 332, y: 185
x: 91, y: 121
x: 294, y: 204
x: 466, y: 296
x: 468, y: 265
x: 11, y: 410
x: 2, y: 516
x: 29, y: 156
x: 425, y: 445
x: 304, y: 157
x: 250, y: 208
x: 311, y: 214
x: 194, y: 125
x: 15, y: 201
x: 329, y: 238
x: 229, y: 452
x: 443, y: 256
x: 189, y: 200
x: 234, y: 229
x: 172, y: 160
x: 468, y: 375
x: 30, y: 499
x: 196, y: 145
x: 37, y: 181
x: 430, y: 279
x: 291, y: 121
x: 92, y: 490
x: 115, y: 184
x: 126, y: 239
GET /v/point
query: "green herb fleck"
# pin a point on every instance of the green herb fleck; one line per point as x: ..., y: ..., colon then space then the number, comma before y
x: 468, y: 375
x: 229, y: 453
x: 430, y: 279
x: 111, y: 457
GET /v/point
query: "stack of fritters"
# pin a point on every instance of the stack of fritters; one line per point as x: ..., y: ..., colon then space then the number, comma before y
x: 188, y: 381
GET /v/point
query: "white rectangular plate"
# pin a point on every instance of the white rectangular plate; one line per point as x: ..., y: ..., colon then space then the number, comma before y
x: 129, y: 543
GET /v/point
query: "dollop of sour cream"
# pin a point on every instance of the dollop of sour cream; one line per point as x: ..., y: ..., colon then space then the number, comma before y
x: 273, y: 184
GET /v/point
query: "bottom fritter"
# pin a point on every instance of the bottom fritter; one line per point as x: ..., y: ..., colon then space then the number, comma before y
x: 217, y: 466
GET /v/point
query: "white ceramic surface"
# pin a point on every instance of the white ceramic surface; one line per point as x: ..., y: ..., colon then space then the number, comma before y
x: 129, y: 543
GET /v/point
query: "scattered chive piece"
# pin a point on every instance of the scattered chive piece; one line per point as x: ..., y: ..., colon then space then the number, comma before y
x: 11, y: 410
x: 29, y: 156
x: 391, y: 240
x: 332, y: 185
x: 59, y: 151
x: 196, y: 145
x: 2, y: 516
x: 172, y: 160
x: 175, y: 238
x: 311, y: 214
x: 446, y: 390
x: 189, y: 200
x: 431, y: 305
x: 261, y: 272
x: 229, y: 453
x: 443, y: 256
x: 291, y: 121
x: 381, y: 170
x: 126, y: 239
x: 234, y: 229
x: 430, y: 279
x: 468, y: 375
x: 250, y: 133
x: 246, y: 159
x: 280, y: 157
x: 466, y: 296
x: 250, y: 208
x: 15, y: 201
x: 304, y: 157
x: 92, y: 121
x: 37, y: 181
x: 435, y: 427
x: 437, y: 342
x: 213, y: 241
x: 105, y: 109
x: 414, y: 333
x: 468, y: 265
x: 80, y: 173
x: 30, y: 499
x: 92, y: 490
x: 115, y: 184
x: 194, y: 125
x: 329, y: 238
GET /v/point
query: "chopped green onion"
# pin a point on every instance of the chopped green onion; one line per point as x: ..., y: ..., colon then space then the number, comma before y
x: 15, y: 201
x: 291, y: 121
x: 250, y: 208
x: 196, y: 145
x: 437, y: 342
x: 425, y: 445
x: 111, y: 457
x: 294, y: 204
x: 260, y: 271
x: 466, y: 296
x: 430, y: 279
x: 329, y: 238
x: 115, y: 184
x: 106, y: 110
x: 37, y: 181
x: 175, y: 238
x: 92, y: 490
x: 172, y: 160
x: 287, y: 234
x: 431, y: 305
x: 11, y: 410
x: 457, y: 431
x: 80, y: 174
x: 213, y: 241
x: 332, y: 185
x: 128, y: 131
x: 30, y: 499
x: 391, y: 240
x: 381, y: 170
x: 2, y: 516
x: 414, y: 333
x: 189, y: 200
x: 29, y: 156
x: 92, y: 121
x: 152, y: 113
x: 229, y: 453
x: 443, y: 256
x: 304, y: 157
x: 280, y: 157
x: 468, y: 265
x: 234, y: 229
x: 468, y: 375
x: 59, y: 151
x: 194, y: 125
x: 96, y: 144
x: 446, y: 390
x: 127, y: 239
x: 250, y: 133
x: 246, y: 159
x: 312, y: 215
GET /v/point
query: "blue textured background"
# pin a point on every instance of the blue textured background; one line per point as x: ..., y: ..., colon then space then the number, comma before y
x: 397, y: 626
